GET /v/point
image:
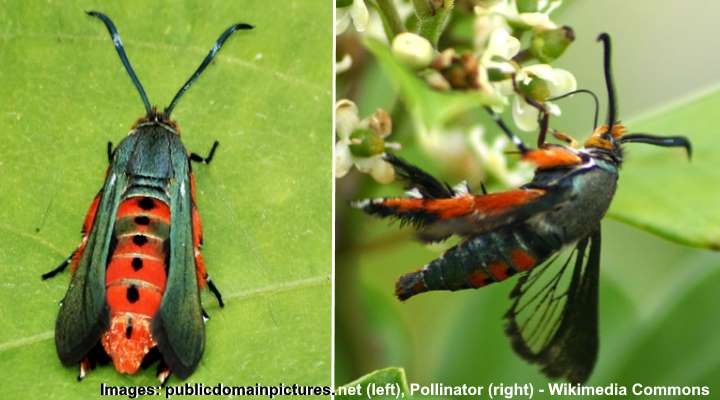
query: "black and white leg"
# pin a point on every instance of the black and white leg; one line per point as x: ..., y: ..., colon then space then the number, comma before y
x: 60, y: 268
x: 513, y: 137
x: 214, y: 290
x: 206, y: 160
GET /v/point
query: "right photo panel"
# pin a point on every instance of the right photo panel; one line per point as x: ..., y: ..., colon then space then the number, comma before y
x: 527, y: 199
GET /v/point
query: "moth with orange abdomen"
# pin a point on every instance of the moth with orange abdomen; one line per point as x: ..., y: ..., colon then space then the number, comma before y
x: 134, y: 296
x: 553, y: 317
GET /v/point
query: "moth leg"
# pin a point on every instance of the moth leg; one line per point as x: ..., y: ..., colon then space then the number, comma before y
x: 202, y: 275
x: 163, y: 373
x: 566, y: 138
x: 543, y: 115
x: 110, y: 151
x: 548, y: 156
x: 214, y: 290
x: 483, y: 188
x: 513, y: 137
x: 85, y: 366
x: 60, y: 268
x: 206, y: 160
x: 205, y: 315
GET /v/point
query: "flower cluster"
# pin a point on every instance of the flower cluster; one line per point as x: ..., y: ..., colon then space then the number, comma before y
x: 362, y: 142
x: 514, y: 45
x: 497, y: 65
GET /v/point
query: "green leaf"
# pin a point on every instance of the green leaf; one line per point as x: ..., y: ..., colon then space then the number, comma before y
x: 382, y: 378
x: 664, y: 193
x: 435, y: 108
x: 681, y: 328
x: 433, y: 18
x: 264, y: 200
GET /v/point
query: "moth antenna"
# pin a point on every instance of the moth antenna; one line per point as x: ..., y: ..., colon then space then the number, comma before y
x: 586, y: 91
x: 211, y: 55
x: 609, y: 83
x: 123, y: 57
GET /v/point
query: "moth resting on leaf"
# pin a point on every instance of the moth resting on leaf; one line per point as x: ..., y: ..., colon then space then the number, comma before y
x: 134, y: 295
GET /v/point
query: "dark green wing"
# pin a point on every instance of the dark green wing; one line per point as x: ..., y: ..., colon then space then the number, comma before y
x: 178, y: 326
x: 84, y: 314
x: 554, y: 317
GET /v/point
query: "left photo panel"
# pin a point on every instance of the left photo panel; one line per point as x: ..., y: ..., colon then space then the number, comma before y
x: 167, y: 198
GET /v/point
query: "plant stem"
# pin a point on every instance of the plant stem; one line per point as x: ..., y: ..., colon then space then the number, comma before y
x: 433, y: 16
x: 390, y: 17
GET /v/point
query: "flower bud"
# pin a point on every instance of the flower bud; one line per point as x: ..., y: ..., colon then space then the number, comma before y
x: 412, y: 50
x: 550, y: 44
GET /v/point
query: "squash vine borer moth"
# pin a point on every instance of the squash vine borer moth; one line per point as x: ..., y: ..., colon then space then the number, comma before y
x: 134, y: 295
x: 553, y: 317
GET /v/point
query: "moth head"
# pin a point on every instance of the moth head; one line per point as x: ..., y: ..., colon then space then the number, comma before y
x: 613, y: 134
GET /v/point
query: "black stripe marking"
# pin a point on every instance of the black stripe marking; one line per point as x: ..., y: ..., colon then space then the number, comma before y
x: 129, y: 329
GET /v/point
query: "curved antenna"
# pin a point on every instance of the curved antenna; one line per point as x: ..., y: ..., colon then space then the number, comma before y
x: 664, y: 141
x: 612, y: 111
x: 123, y: 57
x: 213, y: 52
x: 587, y: 91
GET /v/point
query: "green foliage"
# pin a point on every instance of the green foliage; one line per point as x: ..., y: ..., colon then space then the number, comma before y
x: 265, y: 199
x: 660, y: 191
x: 433, y: 17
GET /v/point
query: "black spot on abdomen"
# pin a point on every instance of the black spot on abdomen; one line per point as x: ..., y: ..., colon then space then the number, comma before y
x: 146, y: 203
x: 142, y: 220
x: 132, y: 294
x: 137, y: 263
x: 140, y: 239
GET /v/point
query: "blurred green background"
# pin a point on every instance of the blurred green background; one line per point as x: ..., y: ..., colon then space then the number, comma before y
x: 265, y: 200
x: 659, y: 280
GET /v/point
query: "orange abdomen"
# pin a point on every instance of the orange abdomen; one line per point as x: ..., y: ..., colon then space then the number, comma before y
x: 135, y: 279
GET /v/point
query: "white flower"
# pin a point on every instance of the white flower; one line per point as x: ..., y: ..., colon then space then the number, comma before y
x: 555, y: 80
x: 501, y: 13
x: 488, y: 19
x: 357, y: 12
x: 496, y: 57
x: 362, y: 142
